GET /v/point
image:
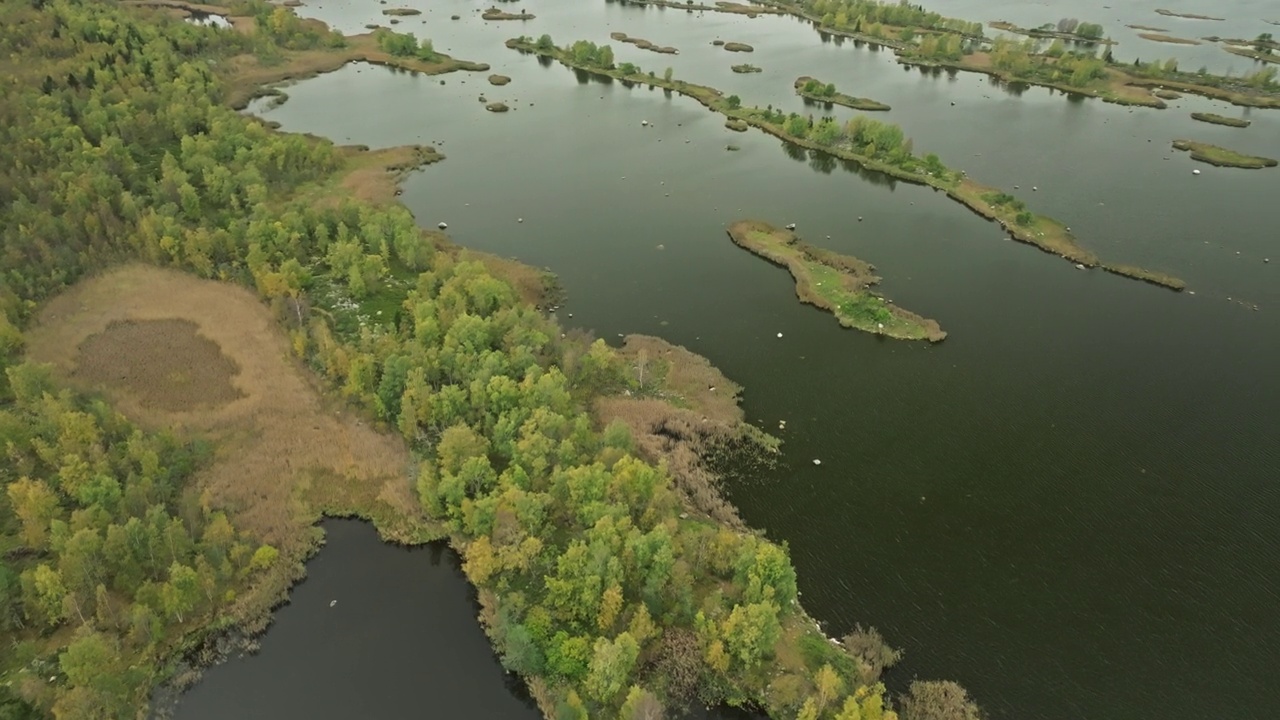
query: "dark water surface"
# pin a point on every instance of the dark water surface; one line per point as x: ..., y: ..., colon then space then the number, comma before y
x: 402, y: 634
x: 1070, y: 505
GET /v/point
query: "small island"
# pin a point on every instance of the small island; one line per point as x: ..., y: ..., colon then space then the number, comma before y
x: 1148, y: 28
x: 1217, y: 119
x: 494, y: 13
x: 738, y: 47
x: 840, y: 284
x: 1186, y: 16
x: 401, y: 12
x: 497, y: 107
x: 499, y: 80
x: 815, y: 90
x: 1222, y: 157
x: 1157, y: 37
x: 746, y: 68
x: 644, y: 44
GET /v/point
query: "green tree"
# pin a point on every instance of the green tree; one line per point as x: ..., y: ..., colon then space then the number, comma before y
x: 611, y: 666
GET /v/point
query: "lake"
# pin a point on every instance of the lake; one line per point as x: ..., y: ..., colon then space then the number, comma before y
x: 1069, y: 506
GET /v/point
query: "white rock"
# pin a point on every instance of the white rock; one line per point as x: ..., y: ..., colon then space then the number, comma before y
x: 816, y: 461
x: 779, y: 334
x: 1196, y: 171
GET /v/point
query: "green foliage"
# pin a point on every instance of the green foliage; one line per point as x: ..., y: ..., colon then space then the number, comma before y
x: 405, y: 45
x: 580, y: 546
x: 854, y: 15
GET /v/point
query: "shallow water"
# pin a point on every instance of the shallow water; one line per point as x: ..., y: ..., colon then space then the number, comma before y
x: 1069, y: 505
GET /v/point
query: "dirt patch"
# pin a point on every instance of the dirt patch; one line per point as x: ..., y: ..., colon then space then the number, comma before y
x: 283, y: 453
x: 180, y: 370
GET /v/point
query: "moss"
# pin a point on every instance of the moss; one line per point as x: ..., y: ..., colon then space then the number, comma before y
x: 1222, y: 157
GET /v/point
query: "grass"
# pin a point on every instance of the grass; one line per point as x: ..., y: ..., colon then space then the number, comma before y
x: 1217, y: 119
x: 838, y: 98
x: 1222, y: 157
x: 837, y: 283
x: 1158, y: 37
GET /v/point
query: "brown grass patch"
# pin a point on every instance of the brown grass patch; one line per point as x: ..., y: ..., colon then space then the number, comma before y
x: 375, y: 175
x: 283, y: 454
x: 689, y: 378
x: 181, y: 370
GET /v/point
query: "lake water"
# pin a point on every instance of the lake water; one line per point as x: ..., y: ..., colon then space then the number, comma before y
x: 1070, y: 505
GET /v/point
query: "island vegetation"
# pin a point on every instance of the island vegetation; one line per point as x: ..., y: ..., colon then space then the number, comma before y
x: 839, y: 284
x: 746, y: 68
x: 1217, y: 119
x: 815, y: 90
x: 1222, y: 157
x: 878, y: 146
x: 131, y: 542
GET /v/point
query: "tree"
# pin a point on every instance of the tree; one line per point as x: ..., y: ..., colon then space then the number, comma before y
x: 734, y: 102
x: 35, y: 505
x: 750, y: 632
x: 181, y: 593
x: 611, y: 666
x: 829, y: 686
x: 641, y: 705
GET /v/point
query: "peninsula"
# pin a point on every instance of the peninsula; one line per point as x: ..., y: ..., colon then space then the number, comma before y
x: 839, y: 284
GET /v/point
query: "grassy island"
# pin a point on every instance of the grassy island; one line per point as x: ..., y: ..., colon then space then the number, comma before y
x: 738, y: 47
x: 815, y: 90
x: 643, y: 44
x: 1187, y: 16
x: 1217, y: 119
x: 494, y: 13
x: 1222, y: 157
x: 837, y: 283
x: 401, y: 12
x: 1157, y: 37
x: 499, y: 80
x: 875, y: 145
x: 1148, y: 28
x: 745, y: 68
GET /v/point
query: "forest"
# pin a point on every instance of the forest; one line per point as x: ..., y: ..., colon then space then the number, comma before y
x: 600, y: 587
